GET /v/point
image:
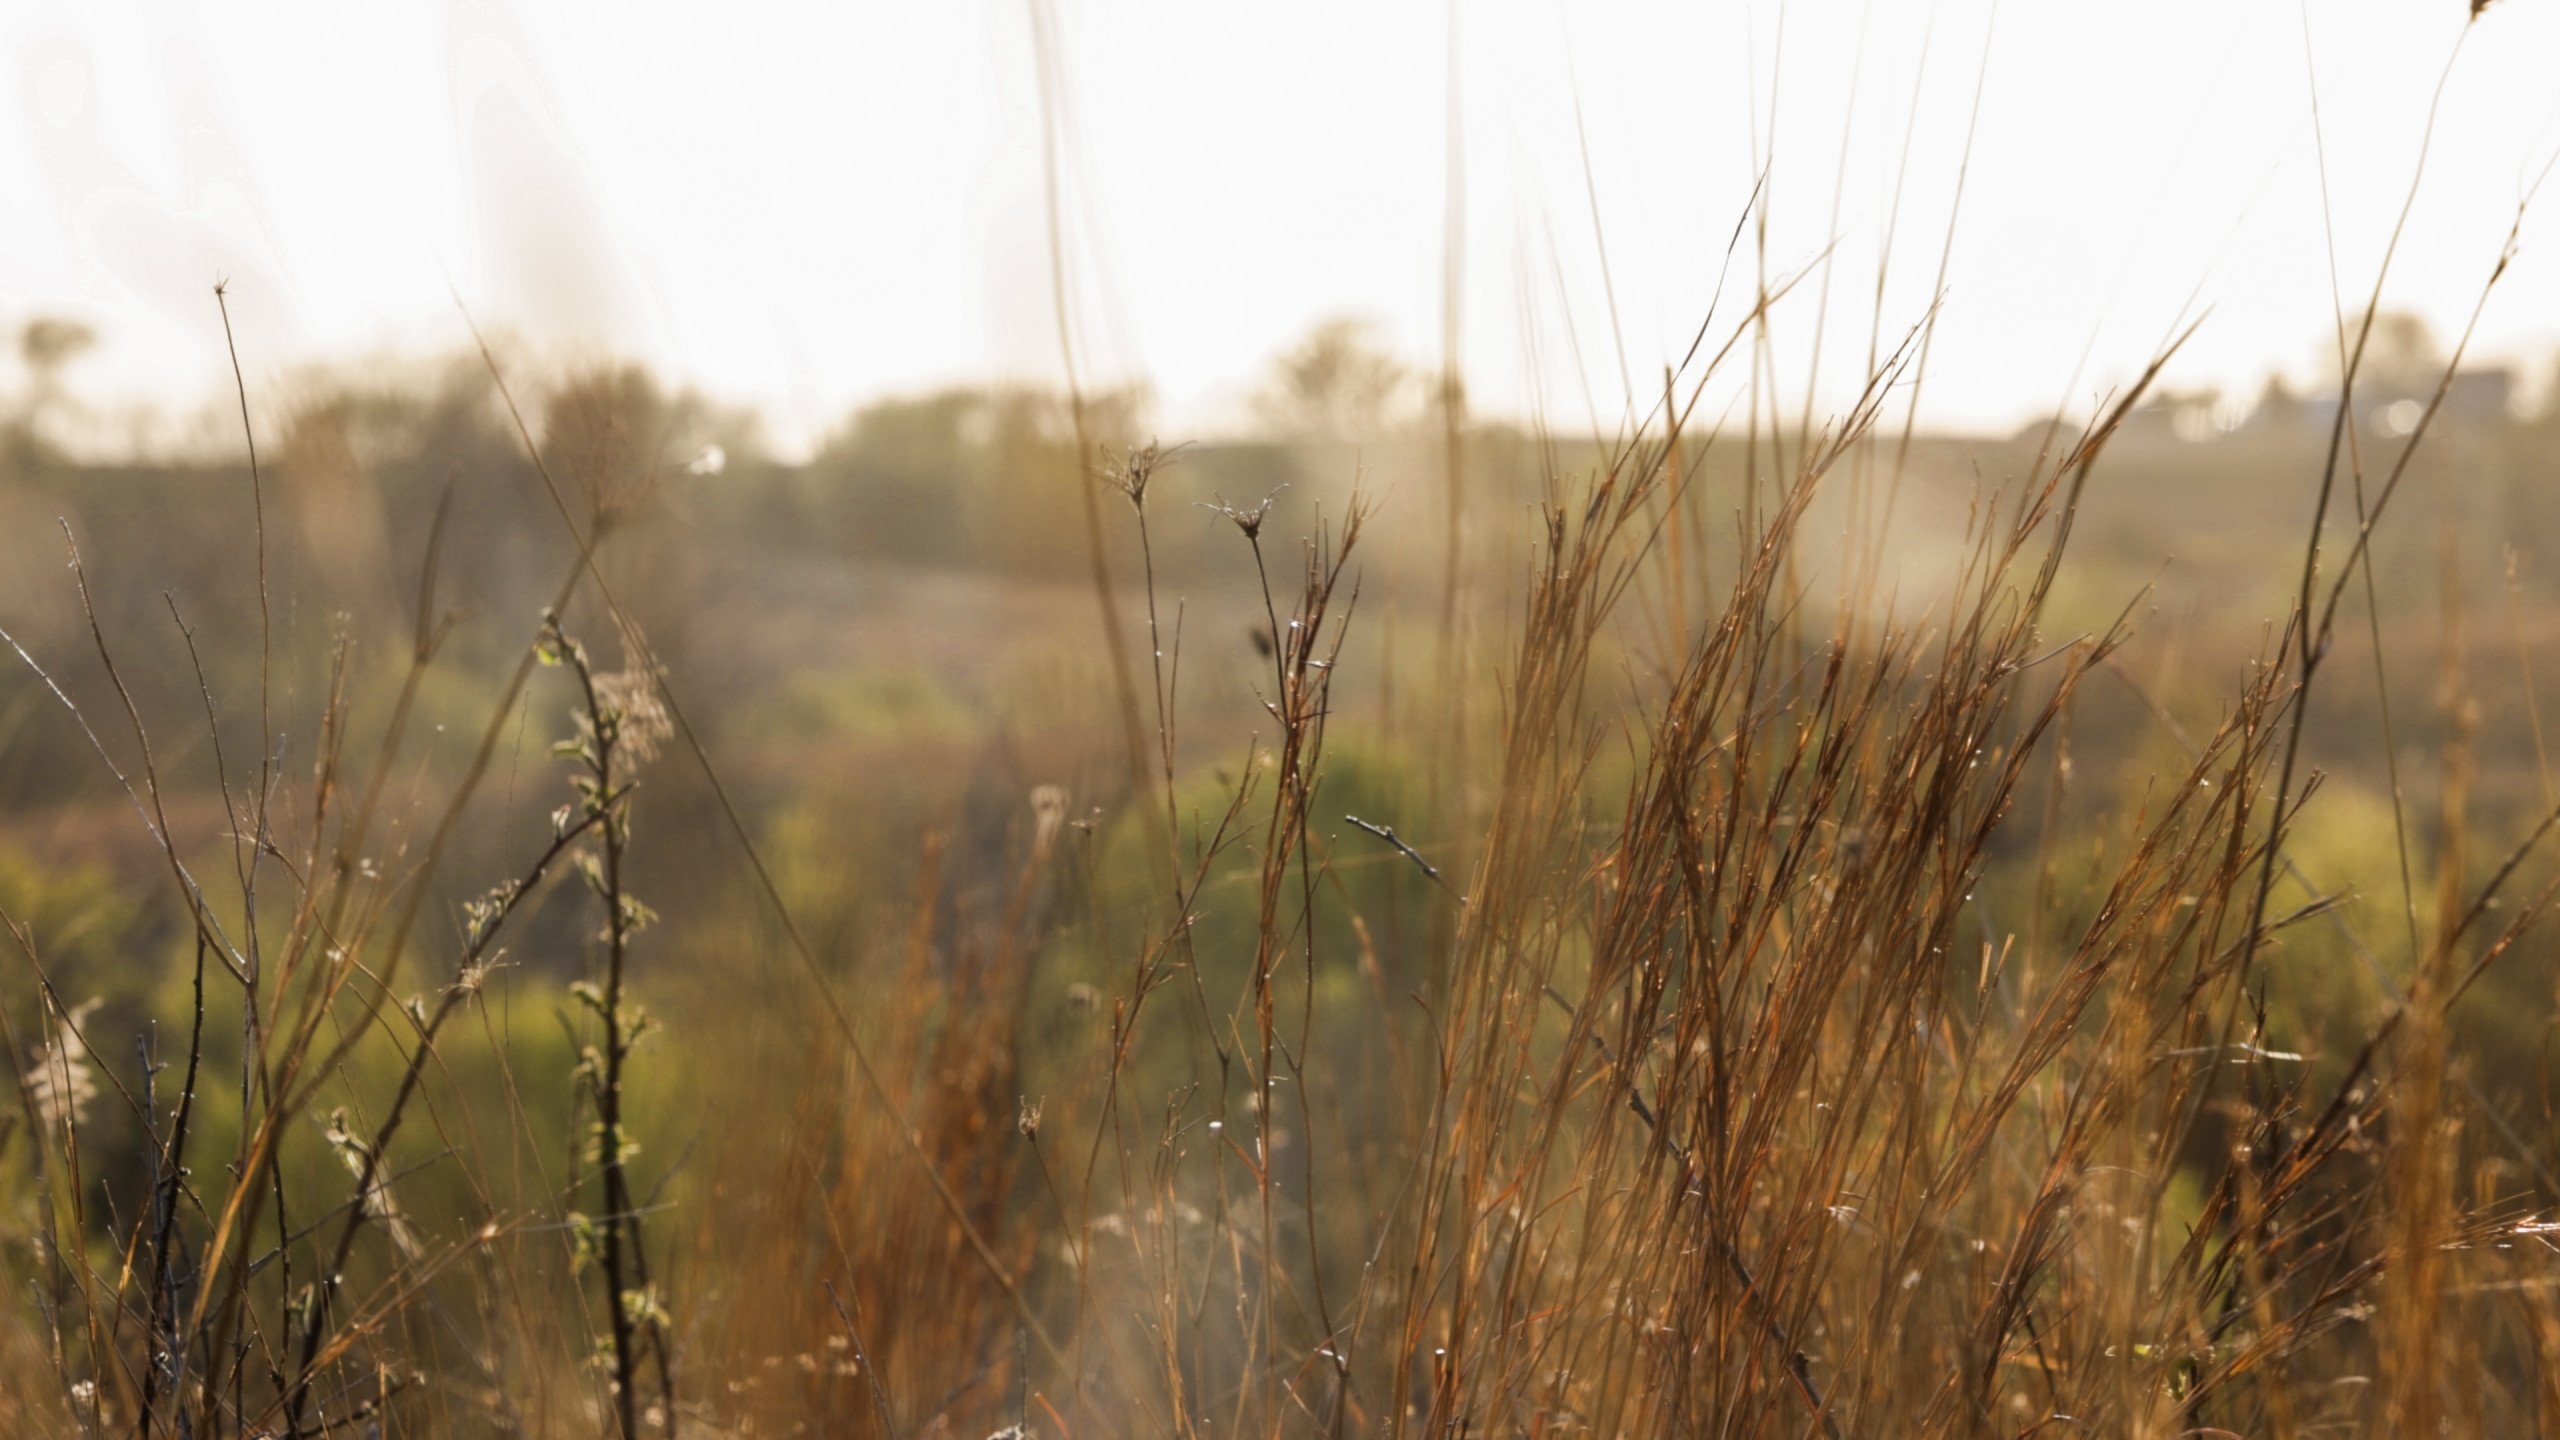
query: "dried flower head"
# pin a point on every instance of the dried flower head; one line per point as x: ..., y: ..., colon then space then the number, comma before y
x: 1247, y: 520
x: 60, y: 1083
x: 1135, y: 469
x: 640, y: 719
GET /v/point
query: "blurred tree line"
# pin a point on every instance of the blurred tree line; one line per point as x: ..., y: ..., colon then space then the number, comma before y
x: 364, y: 472
x: 748, y: 573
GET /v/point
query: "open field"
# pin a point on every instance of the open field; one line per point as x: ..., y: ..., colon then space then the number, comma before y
x: 530, y: 915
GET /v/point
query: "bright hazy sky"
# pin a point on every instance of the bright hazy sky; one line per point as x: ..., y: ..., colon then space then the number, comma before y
x: 805, y: 204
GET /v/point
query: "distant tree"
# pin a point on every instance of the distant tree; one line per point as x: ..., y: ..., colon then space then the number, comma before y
x: 2401, y: 357
x: 1031, y: 519
x: 894, y: 479
x: 1338, y: 383
x: 610, y: 433
x: 629, y: 454
x: 323, y: 476
x: 48, y: 345
x: 987, y: 475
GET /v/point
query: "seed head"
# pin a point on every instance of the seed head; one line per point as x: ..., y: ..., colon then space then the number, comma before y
x: 1136, y: 469
x: 1247, y: 520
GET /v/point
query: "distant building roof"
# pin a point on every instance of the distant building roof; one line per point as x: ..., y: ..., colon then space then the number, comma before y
x: 2475, y: 397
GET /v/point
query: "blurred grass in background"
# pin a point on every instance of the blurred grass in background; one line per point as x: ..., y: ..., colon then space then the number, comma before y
x: 1731, y: 953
